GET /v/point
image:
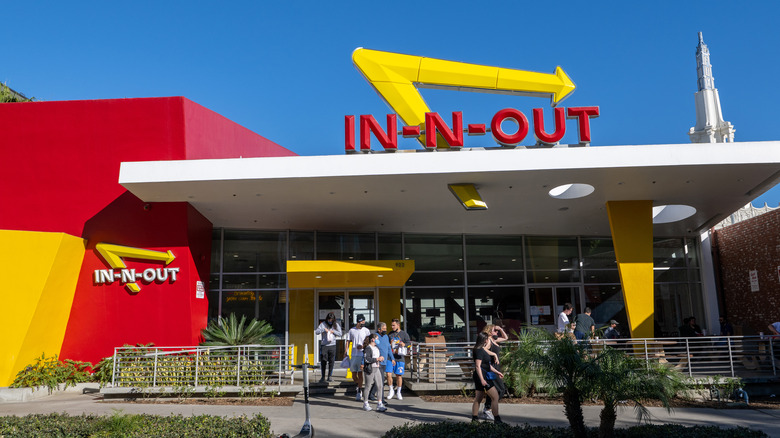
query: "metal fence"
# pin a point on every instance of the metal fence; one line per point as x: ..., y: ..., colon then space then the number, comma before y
x: 242, y: 366
x: 728, y: 356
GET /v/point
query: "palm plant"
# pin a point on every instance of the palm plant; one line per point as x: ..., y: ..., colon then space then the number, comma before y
x: 234, y: 332
x: 561, y: 364
x: 624, y: 378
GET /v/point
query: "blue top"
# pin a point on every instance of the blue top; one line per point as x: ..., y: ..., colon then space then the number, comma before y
x: 383, y: 343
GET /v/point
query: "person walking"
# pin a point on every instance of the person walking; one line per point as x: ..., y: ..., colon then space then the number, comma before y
x: 496, y: 335
x: 329, y: 330
x: 385, y: 350
x: 357, y: 335
x: 586, y: 326
x: 400, y: 342
x: 484, y: 377
x: 372, y: 359
x: 563, y: 318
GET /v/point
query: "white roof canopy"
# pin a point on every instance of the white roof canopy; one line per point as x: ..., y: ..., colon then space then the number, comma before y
x: 407, y: 191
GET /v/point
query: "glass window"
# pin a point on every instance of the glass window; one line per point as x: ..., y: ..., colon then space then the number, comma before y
x: 434, y: 252
x: 213, y: 297
x: 542, y: 308
x: 606, y: 301
x: 436, y: 279
x: 548, y: 253
x: 485, y: 278
x: 670, y: 275
x: 553, y: 276
x: 503, y: 306
x: 216, y: 247
x: 255, y: 281
x: 266, y: 306
x: 598, y: 253
x: 668, y: 253
x: 436, y: 309
x: 602, y: 276
x: 691, y: 249
x: 301, y: 245
x: 494, y: 252
x: 254, y: 251
x: 390, y: 246
x: 346, y: 246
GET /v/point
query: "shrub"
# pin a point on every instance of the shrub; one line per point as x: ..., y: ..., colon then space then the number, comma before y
x: 449, y: 429
x: 231, y: 331
x: 119, y: 424
x: 51, y: 372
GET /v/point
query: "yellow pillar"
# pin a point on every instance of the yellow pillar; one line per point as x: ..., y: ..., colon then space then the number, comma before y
x: 389, y: 305
x: 38, y: 275
x: 631, y: 223
x: 302, y: 323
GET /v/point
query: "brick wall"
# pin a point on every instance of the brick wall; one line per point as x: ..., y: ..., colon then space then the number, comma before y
x: 753, y: 244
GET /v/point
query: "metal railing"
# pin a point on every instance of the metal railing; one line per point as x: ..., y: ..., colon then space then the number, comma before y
x: 728, y: 356
x: 241, y: 366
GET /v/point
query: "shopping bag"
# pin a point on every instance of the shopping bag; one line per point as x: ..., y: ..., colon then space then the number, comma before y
x: 345, y: 362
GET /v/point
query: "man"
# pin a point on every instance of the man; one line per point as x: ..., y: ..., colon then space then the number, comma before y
x: 357, y: 335
x: 399, y: 342
x: 328, y: 330
x: 611, y: 332
x: 385, y: 350
x: 586, y: 326
x: 774, y: 328
x: 726, y: 329
x: 563, y: 318
x: 690, y: 329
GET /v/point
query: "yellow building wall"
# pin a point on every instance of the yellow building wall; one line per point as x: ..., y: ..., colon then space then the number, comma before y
x: 302, y: 323
x: 631, y: 223
x: 38, y: 275
x: 389, y: 305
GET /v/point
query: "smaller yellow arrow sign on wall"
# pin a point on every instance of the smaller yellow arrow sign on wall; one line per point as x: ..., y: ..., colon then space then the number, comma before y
x: 396, y: 77
x: 114, y: 255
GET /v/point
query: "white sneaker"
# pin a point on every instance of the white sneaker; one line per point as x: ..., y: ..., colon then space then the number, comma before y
x: 358, y: 396
x: 379, y: 408
x: 366, y: 407
x: 488, y: 415
x: 398, y: 394
x: 391, y: 393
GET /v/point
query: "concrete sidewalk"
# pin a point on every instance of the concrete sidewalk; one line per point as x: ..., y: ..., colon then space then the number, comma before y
x: 342, y: 416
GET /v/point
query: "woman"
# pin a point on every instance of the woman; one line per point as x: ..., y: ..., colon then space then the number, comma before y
x: 372, y: 372
x: 329, y: 330
x: 485, y: 374
x: 496, y: 335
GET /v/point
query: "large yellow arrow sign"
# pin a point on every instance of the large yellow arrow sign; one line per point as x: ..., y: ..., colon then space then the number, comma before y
x: 114, y: 254
x: 396, y: 78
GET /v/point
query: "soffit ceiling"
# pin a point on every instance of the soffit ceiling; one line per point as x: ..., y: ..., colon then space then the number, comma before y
x: 407, y: 191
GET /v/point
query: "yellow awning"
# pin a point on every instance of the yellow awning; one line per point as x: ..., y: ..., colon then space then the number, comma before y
x: 348, y: 273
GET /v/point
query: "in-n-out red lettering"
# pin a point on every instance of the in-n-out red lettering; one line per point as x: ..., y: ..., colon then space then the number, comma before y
x: 435, y: 129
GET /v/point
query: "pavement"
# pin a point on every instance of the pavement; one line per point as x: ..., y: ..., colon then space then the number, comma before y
x: 342, y: 416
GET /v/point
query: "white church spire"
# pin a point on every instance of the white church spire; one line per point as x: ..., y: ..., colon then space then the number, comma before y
x: 710, y: 126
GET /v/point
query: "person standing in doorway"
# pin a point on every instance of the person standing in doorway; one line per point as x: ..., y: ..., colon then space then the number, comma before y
x: 356, y: 336
x: 586, y: 326
x: 563, y: 318
x: 329, y: 330
x: 400, y: 343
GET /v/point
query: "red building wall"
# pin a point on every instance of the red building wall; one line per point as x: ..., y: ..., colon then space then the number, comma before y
x: 753, y: 244
x: 59, y: 173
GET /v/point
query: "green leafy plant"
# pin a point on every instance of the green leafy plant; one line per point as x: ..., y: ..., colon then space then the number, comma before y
x: 214, y: 392
x: 8, y: 95
x: 621, y: 378
x: 562, y: 365
x: 103, y: 372
x: 234, y: 332
x: 51, y: 372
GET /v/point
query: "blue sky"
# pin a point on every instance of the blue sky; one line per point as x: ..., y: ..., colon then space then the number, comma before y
x: 284, y: 69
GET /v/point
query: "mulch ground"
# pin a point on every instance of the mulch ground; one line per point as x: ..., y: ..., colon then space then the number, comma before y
x: 223, y: 401
x: 755, y: 403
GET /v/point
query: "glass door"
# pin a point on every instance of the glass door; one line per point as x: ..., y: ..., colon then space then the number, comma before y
x: 546, y: 302
x: 361, y: 302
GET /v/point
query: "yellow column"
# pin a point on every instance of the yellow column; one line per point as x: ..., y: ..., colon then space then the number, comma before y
x: 302, y: 323
x: 631, y: 223
x: 389, y: 305
x: 38, y: 275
